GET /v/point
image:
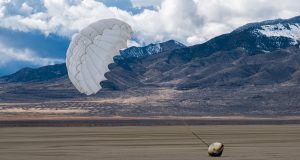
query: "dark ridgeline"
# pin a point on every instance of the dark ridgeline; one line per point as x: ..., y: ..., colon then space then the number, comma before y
x: 247, y: 71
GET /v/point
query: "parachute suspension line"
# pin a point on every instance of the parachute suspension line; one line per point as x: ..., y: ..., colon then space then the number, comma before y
x: 190, y: 131
x: 196, y: 135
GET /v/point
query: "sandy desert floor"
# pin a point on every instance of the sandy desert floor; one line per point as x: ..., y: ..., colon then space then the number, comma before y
x: 242, y: 142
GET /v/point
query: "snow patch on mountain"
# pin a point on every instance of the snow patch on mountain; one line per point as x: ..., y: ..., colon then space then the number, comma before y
x: 153, y: 49
x: 142, y: 52
x: 179, y: 44
x: 291, y: 31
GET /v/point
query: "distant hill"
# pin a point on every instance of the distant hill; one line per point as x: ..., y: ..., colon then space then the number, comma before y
x: 35, y: 75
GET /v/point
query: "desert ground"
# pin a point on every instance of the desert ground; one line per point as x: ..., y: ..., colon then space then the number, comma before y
x: 242, y: 142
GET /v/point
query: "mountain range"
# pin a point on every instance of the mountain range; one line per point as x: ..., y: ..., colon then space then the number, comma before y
x: 253, y: 70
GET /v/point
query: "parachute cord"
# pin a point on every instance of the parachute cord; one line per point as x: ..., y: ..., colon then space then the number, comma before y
x: 196, y: 135
x: 189, y: 129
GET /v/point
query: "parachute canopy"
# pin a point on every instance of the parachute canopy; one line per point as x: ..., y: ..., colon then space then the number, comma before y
x: 92, y: 50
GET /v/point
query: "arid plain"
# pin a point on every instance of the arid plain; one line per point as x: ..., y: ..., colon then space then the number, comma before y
x: 242, y: 142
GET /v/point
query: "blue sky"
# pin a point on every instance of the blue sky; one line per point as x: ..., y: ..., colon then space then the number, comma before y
x: 35, y: 33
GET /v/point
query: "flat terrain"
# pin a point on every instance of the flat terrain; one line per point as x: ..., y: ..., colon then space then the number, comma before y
x: 242, y: 142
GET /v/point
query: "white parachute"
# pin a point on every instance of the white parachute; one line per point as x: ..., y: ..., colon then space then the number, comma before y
x: 92, y: 50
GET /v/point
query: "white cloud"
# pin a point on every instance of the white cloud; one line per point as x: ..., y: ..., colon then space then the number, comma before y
x: 131, y: 43
x: 2, y: 7
x: 26, y: 8
x: 8, y: 55
x: 189, y: 21
x: 145, y: 3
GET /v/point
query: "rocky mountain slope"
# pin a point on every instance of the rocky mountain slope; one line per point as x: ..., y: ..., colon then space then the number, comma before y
x: 255, y: 38
x: 254, y: 70
x: 255, y: 54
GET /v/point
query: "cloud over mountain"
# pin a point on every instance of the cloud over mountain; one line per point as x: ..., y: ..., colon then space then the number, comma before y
x: 23, y: 58
x: 45, y: 27
x: 189, y: 21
